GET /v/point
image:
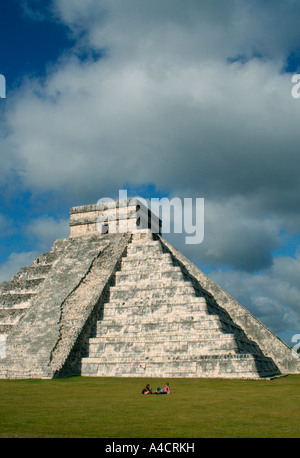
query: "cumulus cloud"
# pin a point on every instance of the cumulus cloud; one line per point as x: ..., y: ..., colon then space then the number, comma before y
x: 220, y: 129
x: 195, y: 29
x: 15, y: 262
x: 234, y: 236
x: 45, y: 230
x: 42, y: 231
x: 173, y: 104
x: 273, y: 296
x: 192, y: 98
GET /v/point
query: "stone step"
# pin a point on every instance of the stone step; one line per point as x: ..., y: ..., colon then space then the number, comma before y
x: 31, y: 273
x: 17, y: 373
x: 153, y: 312
x: 135, y: 247
x: 151, y: 284
x: 161, y: 307
x: 20, y: 306
x: 138, y: 349
x: 176, y: 340
x: 46, y: 258
x: 239, y: 366
x: 189, y: 303
x: 10, y: 315
x: 201, y: 368
x: 141, y: 246
x: 225, y: 366
x: 147, y: 236
x: 198, y: 303
x: 158, y: 262
x: 144, y: 237
x: 20, y: 285
x: 155, y: 329
x: 94, y: 369
x: 13, y: 299
x: 226, y: 327
x: 146, y: 315
x: 213, y: 335
x: 161, y: 337
x: 161, y: 357
x: 203, y: 321
x: 147, y: 257
x: 138, y: 306
x: 6, y: 328
x: 171, y: 273
x: 135, y: 314
x: 166, y: 275
x: 228, y: 345
x: 125, y: 293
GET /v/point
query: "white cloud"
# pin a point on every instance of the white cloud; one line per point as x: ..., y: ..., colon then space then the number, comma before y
x: 45, y: 230
x: 189, y: 31
x: 236, y: 235
x: 166, y: 107
x: 191, y: 98
x: 215, y: 128
x: 14, y: 263
x: 273, y: 296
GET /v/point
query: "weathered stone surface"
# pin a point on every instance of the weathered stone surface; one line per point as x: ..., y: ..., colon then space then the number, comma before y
x: 270, y: 345
x: 159, y: 321
x: 128, y: 304
x: 41, y: 343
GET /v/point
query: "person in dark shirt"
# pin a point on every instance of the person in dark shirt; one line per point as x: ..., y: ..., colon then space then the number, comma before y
x: 147, y: 389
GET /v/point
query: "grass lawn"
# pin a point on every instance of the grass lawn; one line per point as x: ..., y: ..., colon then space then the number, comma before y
x: 115, y: 408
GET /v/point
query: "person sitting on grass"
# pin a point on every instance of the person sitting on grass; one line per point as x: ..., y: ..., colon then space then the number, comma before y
x: 159, y: 390
x: 147, y: 389
x: 167, y: 389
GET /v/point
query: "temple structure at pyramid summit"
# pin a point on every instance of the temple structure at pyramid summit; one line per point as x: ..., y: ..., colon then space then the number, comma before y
x: 125, y: 303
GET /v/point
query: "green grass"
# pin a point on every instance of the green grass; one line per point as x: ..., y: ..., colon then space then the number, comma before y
x: 115, y: 407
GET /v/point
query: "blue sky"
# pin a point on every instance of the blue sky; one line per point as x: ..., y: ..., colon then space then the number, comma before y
x: 29, y: 45
x: 161, y: 99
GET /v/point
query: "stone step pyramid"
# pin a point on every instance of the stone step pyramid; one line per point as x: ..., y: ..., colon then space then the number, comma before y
x: 128, y: 304
x: 157, y: 321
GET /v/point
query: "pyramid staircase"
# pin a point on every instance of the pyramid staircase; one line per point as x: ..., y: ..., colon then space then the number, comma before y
x: 128, y: 304
x: 158, y: 320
